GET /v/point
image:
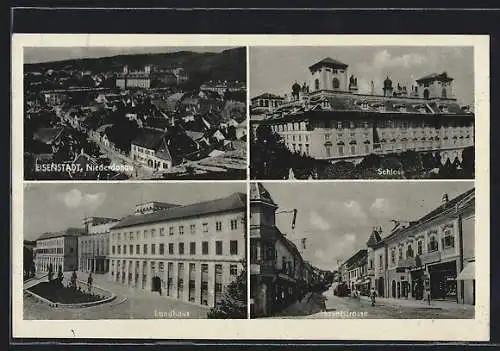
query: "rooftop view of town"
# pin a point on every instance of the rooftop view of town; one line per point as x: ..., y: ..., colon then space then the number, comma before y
x: 178, y: 115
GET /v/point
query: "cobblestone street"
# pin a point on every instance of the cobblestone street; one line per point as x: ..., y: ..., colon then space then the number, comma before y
x: 353, y: 308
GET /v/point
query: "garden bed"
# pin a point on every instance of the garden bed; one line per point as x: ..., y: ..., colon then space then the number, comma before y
x: 64, y: 295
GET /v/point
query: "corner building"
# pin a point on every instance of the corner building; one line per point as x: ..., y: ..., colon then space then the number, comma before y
x: 192, y: 252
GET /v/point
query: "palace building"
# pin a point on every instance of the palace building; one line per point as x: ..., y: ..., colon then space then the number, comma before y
x: 329, y: 119
x: 149, y: 77
x: 93, y: 245
x: 190, y: 252
x: 58, y: 250
x: 434, y: 253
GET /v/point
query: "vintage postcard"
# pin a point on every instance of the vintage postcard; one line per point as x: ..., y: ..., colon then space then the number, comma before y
x: 362, y: 112
x: 313, y: 187
x: 355, y: 250
x: 108, y: 113
x: 122, y: 251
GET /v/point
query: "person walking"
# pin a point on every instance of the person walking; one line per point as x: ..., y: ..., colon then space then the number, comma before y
x: 89, y: 283
x: 373, y: 294
x: 73, y: 280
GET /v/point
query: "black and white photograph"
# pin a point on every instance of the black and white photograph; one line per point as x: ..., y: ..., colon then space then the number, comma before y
x: 359, y: 251
x: 121, y: 251
x: 362, y: 112
x: 108, y: 113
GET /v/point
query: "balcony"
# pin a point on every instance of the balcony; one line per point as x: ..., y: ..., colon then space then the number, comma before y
x: 263, y: 268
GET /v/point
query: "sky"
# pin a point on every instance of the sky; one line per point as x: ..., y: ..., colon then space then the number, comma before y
x: 48, y: 54
x: 54, y: 207
x: 338, y: 218
x: 275, y: 69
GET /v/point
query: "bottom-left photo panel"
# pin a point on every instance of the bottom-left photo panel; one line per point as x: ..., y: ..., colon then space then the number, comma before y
x: 134, y: 251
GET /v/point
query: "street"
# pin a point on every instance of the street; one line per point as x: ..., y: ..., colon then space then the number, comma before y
x: 354, y: 308
x: 129, y: 304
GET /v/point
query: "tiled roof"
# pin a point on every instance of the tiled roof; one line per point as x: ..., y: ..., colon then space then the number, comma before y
x: 149, y: 138
x: 437, y: 211
x: 374, y: 238
x: 47, y: 135
x: 328, y: 61
x: 268, y: 96
x: 236, y: 201
x: 67, y: 232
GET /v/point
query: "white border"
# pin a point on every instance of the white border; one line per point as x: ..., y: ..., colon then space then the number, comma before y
x: 277, y: 329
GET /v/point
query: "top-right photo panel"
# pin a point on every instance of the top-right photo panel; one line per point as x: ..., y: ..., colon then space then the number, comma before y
x: 362, y: 112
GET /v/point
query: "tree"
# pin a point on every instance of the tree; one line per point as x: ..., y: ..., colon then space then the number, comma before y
x: 233, y: 303
x: 339, y: 170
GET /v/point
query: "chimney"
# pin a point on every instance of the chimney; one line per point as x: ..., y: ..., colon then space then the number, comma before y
x: 444, y: 199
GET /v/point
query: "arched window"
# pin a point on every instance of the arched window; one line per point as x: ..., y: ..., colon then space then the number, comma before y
x: 443, y: 93
x: 316, y: 84
x: 335, y: 83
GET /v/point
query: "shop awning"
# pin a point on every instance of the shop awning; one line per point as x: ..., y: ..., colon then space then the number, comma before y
x: 468, y: 273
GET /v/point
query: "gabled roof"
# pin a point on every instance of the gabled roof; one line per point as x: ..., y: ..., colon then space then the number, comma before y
x: 149, y: 138
x: 48, y: 135
x: 329, y: 62
x: 236, y: 201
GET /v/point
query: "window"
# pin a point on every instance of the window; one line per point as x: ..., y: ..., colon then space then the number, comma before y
x: 153, y: 249
x: 204, y: 248
x: 124, y: 249
x: 327, y: 136
x: 192, y: 228
x: 145, y: 234
x: 409, y: 252
x: 449, y: 238
x: 335, y: 83
x: 419, y: 247
x: 341, y: 151
x: 353, y: 149
x: 218, y: 226
x: 433, y: 244
x: 192, y: 248
x: 162, y: 231
x: 371, y: 264
x: 205, y: 227
x: 380, y: 259
x: 234, y: 224
x: 119, y: 249
x: 218, y: 247
x: 181, y: 230
x: 131, y: 249
x: 171, y: 248
x: 113, y: 249
x: 181, y: 248
x: 233, y: 247
x: 233, y: 270
x: 137, y: 249
x: 400, y: 255
x: 153, y: 233
x: 316, y: 84
x: 145, y: 249
x: 171, y: 230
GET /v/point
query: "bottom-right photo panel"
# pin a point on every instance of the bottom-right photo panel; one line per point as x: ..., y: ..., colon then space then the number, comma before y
x: 362, y: 250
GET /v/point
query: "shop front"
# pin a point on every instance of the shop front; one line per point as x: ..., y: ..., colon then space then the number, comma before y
x: 443, y: 280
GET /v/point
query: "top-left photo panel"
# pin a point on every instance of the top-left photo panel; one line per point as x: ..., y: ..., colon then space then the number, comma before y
x: 135, y: 113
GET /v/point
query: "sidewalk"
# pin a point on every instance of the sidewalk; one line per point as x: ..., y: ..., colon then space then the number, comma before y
x: 421, y: 304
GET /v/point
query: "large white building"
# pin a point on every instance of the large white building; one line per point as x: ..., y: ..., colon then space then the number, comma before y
x: 59, y: 250
x: 93, y: 246
x: 192, y: 251
x: 329, y: 119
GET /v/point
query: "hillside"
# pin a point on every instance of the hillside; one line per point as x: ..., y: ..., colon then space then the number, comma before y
x: 227, y: 65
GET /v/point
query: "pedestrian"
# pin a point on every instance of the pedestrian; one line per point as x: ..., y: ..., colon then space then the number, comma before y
x: 428, y: 292
x: 89, y: 283
x: 373, y: 294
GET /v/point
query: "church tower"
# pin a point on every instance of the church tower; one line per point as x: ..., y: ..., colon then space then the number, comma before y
x: 328, y: 74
